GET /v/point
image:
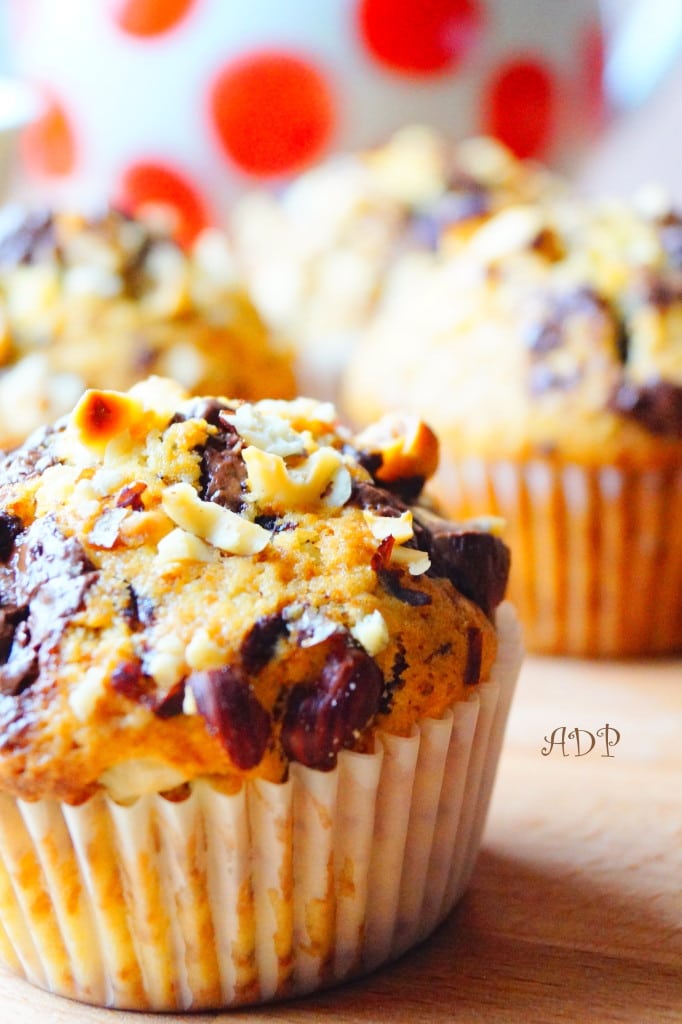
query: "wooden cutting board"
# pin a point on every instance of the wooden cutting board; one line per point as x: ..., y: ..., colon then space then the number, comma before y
x: 575, y: 910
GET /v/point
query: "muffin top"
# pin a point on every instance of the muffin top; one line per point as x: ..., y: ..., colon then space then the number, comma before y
x: 554, y: 330
x: 206, y: 587
x: 103, y: 301
x: 315, y: 255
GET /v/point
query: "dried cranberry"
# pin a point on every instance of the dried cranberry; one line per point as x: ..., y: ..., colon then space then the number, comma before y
x: 232, y: 713
x: 323, y: 718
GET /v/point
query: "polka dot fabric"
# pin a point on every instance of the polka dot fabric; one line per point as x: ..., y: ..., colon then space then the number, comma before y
x: 190, y: 102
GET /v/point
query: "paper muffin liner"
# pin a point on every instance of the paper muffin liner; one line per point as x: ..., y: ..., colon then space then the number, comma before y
x: 596, y: 553
x: 276, y: 890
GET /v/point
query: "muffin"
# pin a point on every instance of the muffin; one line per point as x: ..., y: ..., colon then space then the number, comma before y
x: 105, y: 301
x: 547, y: 353
x: 251, y: 699
x: 315, y: 255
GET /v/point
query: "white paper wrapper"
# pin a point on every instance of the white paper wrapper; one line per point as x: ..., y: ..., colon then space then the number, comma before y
x: 275, y: 891
x: 596, y: 552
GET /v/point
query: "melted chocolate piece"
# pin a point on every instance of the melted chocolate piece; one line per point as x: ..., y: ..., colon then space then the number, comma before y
x: 223, y: 471
x: 46, y: 581
x: 656, y: 407
x: 275, y: 524
x: 129, y: 679
x: 476, y: 563
x: 258, y: 646
x: 390, y: 579
x: 327, y: 716
x: 232, y: 714
x: 30, y: 241
x: 379, y: 500
x: 10, y: 528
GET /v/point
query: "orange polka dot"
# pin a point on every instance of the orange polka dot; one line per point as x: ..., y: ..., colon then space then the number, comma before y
x: 273, y: 112
x: 147, y: 184
x: 149, y: 17
x: 48, y: 145
x: 520, y: 106
x: 420, y: 37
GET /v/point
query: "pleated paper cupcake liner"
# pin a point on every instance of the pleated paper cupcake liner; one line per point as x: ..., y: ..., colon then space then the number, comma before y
x: 596, y: 553
x: 277, y: 890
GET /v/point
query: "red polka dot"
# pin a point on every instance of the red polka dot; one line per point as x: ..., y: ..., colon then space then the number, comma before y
x: 145, y: 184
x: 149, y: 17
x: 48, y: 145
x: 273, y: 112
x: 520, y: 106
x: 420, y: 37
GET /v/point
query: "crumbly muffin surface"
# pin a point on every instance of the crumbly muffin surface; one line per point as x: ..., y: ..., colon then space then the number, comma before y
x: 553, y: 330
x: 106, y: 300
x: 204, y: 587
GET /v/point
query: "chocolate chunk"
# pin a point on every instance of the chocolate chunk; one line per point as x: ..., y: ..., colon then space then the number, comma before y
x: 138, y: 611
x: 275, y: 524
x: 30, y: 459
x: 21, y: 668
x: 223, y: 471
x: 129, y: 679
x: 390, y: 579
x: 45, y: 553
x: 465, y: 199
x: 10, y: 617
x: 657, y: 407
x: 31, y: 240
x: 233, y: 714
x: 472, y: 666
x: 377, y: 499
x: 328, y: 715
x: 10, y: 528
x: 475, y: 562
x: 258, y: 646
x: 47, y: 579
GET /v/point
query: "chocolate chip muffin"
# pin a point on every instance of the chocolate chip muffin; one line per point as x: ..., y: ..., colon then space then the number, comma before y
x: 315, y: 255
x: 229, y: 640
x: 103, y: 301
x: 547, y: 350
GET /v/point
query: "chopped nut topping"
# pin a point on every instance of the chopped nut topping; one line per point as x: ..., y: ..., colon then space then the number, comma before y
x: 321, y: 480
x: 408, y: 447
x: 417, y: 562
x: 219, y: 526
x: 101, y: 416
x: 181, y: 546
x: 398, y: 527
x: 371, y: 631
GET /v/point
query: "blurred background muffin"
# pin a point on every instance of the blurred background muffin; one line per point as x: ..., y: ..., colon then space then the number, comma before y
x: 103, y: 301
x: 316, y: 255
x: 547, y: 349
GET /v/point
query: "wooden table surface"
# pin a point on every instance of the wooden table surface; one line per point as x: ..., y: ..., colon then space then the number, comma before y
x: 575, y: 910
